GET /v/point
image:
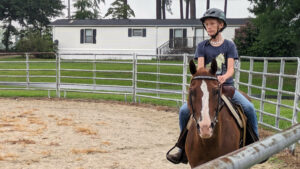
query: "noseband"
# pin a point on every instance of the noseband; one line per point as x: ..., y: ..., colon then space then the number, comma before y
x: 219, y: 107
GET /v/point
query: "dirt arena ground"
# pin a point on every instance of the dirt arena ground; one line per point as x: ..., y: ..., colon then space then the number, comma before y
x: 81, y: 134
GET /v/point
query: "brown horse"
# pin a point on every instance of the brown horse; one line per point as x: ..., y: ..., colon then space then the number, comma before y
x: 214, y: 131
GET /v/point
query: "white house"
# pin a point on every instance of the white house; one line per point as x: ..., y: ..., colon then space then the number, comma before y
x: 127, y: 36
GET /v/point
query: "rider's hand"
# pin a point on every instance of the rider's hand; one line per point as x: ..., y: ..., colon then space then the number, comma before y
x: 222, y: 79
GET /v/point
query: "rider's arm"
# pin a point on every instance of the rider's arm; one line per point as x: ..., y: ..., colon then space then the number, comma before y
x: 230, y: 71
x: 200, y: 62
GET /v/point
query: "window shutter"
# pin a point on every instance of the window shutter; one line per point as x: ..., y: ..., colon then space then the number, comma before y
x: 144, y: 32
x: 184, y: 38
x: 94, y: 35
x: 129, y: 32
x: 184, y: 33
x: 81, y: 35
x: 171, y: 40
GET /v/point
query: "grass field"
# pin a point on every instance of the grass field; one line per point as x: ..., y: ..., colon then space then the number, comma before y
x: 272, y: 82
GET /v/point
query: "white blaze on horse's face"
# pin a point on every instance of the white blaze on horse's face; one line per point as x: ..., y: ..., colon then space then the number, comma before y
x: 205, y: 124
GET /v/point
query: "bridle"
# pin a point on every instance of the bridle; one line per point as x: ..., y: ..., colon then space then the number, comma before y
x: 218, y: 108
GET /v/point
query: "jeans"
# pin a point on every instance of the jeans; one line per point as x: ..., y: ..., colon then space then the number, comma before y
x: 238, y: 98
x: 248, y: 108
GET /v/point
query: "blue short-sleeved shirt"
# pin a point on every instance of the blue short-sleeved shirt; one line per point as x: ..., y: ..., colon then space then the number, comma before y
x: 220, y: 53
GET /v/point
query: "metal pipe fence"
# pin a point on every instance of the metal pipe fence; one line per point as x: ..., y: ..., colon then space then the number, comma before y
x: 277, y: 80
x: 146, y: 76
x: 155, y: 77
x: 255, y: 153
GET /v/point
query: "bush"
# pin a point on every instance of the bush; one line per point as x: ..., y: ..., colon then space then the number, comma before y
x: 35, y: 42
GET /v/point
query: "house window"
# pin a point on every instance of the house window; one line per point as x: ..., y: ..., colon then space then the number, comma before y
x: 178, y: 33
x: 137, y: 32
x: 88, y: 36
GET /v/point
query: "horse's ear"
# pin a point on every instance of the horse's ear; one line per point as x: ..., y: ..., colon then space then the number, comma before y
x: 213, y: 67
x: 193, y: 69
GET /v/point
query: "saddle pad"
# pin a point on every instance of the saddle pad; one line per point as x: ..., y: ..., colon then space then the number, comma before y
x: 232, y: 110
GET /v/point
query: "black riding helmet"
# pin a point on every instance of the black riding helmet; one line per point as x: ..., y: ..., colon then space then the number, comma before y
x: 214, y: 13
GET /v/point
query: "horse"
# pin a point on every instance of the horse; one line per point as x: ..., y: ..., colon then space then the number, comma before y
x: 213, y: 132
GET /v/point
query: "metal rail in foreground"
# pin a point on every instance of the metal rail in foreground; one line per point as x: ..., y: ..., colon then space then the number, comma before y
x: 255, y: 153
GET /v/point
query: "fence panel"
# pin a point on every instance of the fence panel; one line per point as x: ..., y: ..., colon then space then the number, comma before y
x: 18, y: 71
x: 279, y: 97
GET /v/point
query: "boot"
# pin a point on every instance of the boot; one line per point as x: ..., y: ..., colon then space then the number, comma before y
x: 179, y: 157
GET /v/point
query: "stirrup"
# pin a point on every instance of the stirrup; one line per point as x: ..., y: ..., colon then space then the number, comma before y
x: 182, y: 159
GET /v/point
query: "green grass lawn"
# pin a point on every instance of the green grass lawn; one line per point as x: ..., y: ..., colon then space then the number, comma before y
x: 272, y: 82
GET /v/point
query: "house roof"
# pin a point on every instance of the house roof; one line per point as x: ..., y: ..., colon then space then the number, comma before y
x: 139, y: 22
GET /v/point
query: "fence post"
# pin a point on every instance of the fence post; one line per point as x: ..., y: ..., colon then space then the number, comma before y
x: 263, y: 91
x: 184, y: 74
x: 297, y: 93
x: 94, y: 72
x: 27, y: 71
x: 250, y: 77
x: 157, y: 75
x: 58, y: 75
x: 296, y: 99
x: 279, y: 94
x: 134, y: 78
x: 237, y: 73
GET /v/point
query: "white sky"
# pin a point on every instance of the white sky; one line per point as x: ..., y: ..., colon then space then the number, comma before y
x: 146, y: 9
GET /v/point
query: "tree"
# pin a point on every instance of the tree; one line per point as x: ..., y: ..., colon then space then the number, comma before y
x: 163, y: 8
x: 245, y: 37
x: 187, y: 8
x: 207, y: 4
x: 278, y: 27
x: 225, y: 7
x: 87, y: 9
x: 9, y: 30
x: 33, y: 41
x: 181, y: 8
x: 27, y: 13
x: 166, y: 5
x: 193, y: 9
x: 158, y: 9
x: 120, y: 10
x: 96, y: 8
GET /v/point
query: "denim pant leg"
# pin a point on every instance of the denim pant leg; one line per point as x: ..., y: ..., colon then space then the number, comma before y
x: 248, y: 109
x: 184, y: 115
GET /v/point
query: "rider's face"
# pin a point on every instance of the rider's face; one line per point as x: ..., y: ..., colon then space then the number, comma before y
x: 212, y: 25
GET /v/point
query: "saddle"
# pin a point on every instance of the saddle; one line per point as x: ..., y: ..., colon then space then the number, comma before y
x: 248, y: 135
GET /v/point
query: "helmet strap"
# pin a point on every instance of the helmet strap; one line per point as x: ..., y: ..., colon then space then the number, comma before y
x: 215, y: 35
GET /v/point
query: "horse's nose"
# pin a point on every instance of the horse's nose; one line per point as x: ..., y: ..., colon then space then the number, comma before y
x: 205, y: 131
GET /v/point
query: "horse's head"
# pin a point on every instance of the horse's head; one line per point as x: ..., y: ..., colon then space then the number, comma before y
x: 204, y: 95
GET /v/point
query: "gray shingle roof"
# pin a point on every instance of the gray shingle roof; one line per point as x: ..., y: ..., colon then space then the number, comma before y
x: 139, y: 22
